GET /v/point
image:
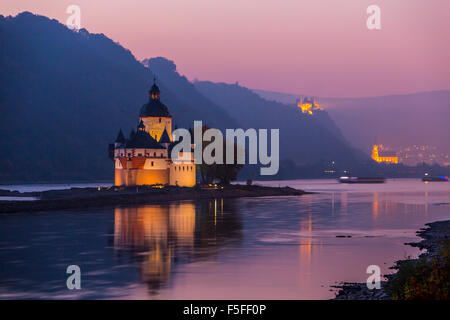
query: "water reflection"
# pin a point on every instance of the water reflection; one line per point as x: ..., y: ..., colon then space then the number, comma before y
x: 306, y: 244
x: 159, y: 237
x: 344, y: 203
x: 375, y: 204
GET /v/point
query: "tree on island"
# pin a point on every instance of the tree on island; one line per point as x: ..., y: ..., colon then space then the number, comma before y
x: 224, y: 173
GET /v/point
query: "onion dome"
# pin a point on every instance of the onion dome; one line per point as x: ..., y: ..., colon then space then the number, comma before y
x: 154, y: 107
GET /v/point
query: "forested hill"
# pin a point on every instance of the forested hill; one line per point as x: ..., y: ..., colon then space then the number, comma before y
x: 64, y: 95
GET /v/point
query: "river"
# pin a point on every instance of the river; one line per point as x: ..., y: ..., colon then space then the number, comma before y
x: 247, y: 248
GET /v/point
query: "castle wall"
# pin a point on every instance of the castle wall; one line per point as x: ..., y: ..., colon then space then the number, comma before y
x: 182, y: 175
x: 156, y: 164
x: 146, y: 171
x: 133, y: 177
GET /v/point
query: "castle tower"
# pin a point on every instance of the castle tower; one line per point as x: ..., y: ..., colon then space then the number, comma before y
x: 145, y: 157
x: 155, y: 115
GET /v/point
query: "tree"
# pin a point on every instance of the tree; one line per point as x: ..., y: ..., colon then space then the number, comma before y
x: 225, y: 173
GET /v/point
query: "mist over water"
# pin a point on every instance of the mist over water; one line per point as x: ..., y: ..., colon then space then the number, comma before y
x: 258, y: 248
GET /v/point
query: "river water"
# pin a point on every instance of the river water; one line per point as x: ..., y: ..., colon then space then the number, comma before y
x: 247, y: 248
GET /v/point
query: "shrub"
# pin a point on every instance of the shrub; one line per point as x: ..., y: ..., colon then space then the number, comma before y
x: 423, y: 278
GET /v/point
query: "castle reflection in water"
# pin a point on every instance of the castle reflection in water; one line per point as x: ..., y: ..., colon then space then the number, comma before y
x: 160, y: 237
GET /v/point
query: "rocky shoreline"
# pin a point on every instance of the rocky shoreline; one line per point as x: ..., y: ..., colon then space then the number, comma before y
x: 432, y: 236
x: 82, y: 198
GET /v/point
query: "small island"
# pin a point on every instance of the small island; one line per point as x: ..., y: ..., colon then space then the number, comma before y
x: 82, y: 198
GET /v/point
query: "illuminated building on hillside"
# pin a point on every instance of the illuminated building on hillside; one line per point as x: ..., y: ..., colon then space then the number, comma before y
x: 380, y: 155
x: 144, y: 158
x: 308, y: 105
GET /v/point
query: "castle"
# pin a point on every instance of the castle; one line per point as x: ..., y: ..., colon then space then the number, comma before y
x: 308, y: 105
x: 145, y: 157
x: 383, y: 156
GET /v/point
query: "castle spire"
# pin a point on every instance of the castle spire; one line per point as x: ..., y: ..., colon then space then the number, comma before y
x: 141, y: 126
x: 120, y: 137
x: 164, y: 137
x: 154, y: 92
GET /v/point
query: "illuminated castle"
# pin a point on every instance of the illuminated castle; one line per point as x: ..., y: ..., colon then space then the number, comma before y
x: 144, y: 158
x: 384, y: 156
x: 308, y: 105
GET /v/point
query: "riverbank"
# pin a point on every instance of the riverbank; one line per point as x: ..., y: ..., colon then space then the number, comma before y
x: 426, y: 277
x: 76, y: 198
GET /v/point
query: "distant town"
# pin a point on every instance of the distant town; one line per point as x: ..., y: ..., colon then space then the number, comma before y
x: 410, y: 155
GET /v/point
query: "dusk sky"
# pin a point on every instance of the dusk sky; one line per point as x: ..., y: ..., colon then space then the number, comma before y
x: 313, y: 47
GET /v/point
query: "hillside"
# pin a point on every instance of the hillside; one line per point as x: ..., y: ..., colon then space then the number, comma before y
x: 303, y: 139
x: 64, y: 96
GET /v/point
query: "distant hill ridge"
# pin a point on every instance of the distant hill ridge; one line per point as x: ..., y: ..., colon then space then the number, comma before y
x: 396, y: 120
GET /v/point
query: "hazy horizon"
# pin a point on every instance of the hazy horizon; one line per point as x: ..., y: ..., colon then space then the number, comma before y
x: 296, y: 95
x: 323, y: 49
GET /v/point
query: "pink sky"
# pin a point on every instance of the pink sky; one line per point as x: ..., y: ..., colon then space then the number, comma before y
x: 314, y: 47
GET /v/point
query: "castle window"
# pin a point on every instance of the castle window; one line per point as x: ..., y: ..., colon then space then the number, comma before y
x: 152, y: 163
x: 183, y: 168
x: 159, y: 120
x: 154, y: 154
x: 139, y: 154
